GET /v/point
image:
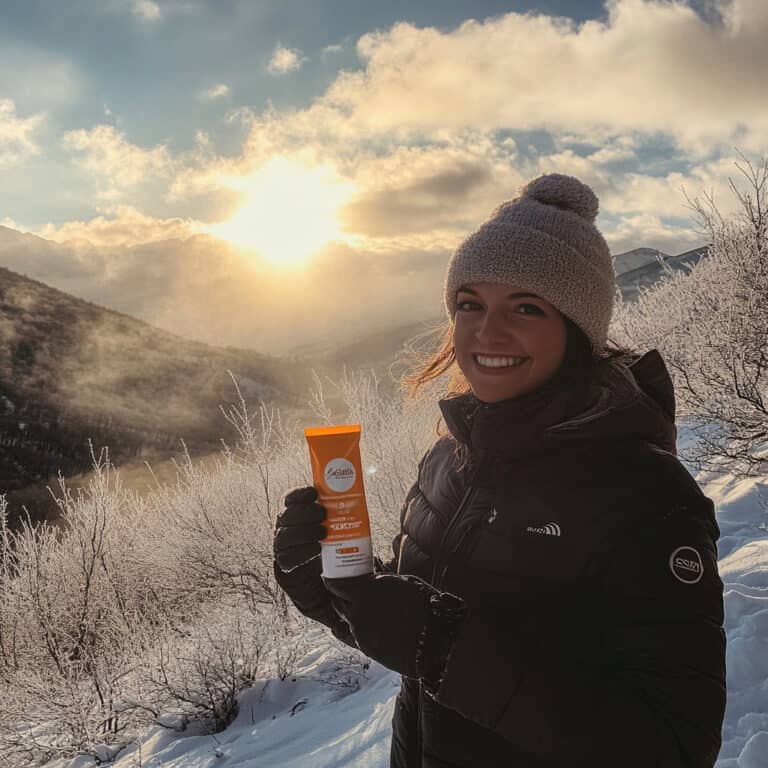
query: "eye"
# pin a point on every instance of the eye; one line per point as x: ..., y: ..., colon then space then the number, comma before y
x: 527, y: 309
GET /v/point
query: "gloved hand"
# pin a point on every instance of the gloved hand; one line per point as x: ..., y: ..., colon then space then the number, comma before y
x: 299, y: 529
x: 297, y: 563
x: 400, y: 621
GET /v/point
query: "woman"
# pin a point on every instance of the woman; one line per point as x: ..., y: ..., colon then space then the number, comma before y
x: 553, y: 599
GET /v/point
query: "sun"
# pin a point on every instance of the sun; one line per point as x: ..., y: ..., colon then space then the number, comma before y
x: 289, y: 211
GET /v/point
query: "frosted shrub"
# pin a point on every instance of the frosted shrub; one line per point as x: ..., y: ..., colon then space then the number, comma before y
x: 163, y: 609
x: 198, y: 672
x: 75, y: 607
x: 711, y: 325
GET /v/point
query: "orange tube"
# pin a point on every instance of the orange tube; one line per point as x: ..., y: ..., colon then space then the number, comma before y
x: 337, y: 473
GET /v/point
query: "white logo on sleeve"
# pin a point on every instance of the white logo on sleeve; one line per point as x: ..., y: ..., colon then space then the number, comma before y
x: 686, y: 566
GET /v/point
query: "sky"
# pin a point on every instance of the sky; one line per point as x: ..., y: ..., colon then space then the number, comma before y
x: 260, y: 145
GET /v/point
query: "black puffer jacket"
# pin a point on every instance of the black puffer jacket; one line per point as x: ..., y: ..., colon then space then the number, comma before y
x: 586, y: 554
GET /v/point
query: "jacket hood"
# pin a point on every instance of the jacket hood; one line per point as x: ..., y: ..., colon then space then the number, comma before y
x: 632, y: 396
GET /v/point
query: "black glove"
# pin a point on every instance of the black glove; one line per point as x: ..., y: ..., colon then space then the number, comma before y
x: 299, y: 529
x: 400, y: 621
x: 297, y: 563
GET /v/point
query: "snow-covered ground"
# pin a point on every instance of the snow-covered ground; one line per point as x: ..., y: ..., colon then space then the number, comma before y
x: 306, y: 720
x: 743, y: 552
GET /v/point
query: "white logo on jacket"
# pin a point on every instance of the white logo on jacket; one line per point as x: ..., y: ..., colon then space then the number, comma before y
x: 549, y: 529
x: 686, y: 565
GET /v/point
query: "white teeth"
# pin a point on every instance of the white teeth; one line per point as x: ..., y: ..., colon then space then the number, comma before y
x: 499, y: 362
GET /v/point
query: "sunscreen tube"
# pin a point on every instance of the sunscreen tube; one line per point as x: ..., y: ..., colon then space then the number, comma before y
x: 338, y: 476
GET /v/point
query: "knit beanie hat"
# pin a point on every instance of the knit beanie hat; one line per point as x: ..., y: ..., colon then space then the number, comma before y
x: 544, y: 241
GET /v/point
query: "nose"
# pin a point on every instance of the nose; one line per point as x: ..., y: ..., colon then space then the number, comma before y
x: 493, y: 329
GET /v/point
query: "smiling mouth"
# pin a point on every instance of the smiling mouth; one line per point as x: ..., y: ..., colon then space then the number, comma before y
x: 498, y: 362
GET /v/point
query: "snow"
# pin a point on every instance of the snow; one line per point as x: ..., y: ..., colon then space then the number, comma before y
x: 304, y: 720
x: 743, y: 563
x: 639, y: 257
x: 307, y: 720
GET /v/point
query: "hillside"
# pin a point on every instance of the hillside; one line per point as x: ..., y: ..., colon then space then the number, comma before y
x: 71, y: 370
x: 641, y: 268
x: 387, y: 351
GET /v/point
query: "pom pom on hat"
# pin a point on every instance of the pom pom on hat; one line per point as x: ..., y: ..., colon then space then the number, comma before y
x: 565, y: 192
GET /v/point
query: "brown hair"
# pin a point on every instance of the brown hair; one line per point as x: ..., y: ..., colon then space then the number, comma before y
x: 431, y: 366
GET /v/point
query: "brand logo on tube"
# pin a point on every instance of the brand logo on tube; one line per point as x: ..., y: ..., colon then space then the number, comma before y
x: 340, y: 475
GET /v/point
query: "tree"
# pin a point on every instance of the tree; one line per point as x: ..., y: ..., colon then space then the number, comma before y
x: 711, y: 325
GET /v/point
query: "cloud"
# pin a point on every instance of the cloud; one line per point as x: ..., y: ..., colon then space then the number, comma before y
x: 117, y: 163
x: 329, y: 50
x: 652, y: 232
x: 214, y: 92
x: 149, y: 11
x: 123, y: 225
x: 16, y: 134
x: 146, y: 10
x: 285, y: 60
x: 650, y: 67
x: 641, y: 208
x: 205, y: 289
x: 438, y: 127
x: 423, y: 191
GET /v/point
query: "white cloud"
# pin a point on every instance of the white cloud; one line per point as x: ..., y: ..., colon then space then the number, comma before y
x: 117, y: 163
x: 122, y: 225
x: 416, y: 130
x: 285, y: 60
x: 215, y: 92
x: 146, y: 10
x: 205, y: 289
x: 329, y: 50
x: 16, y: 134
x: 650, y: 67
x: 649, y: 231
x: 149, y: 11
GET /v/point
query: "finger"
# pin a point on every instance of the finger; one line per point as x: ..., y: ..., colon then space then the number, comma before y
x: 302, y: 514
x: 303, y: 495
x: 349, y: 588
x: 295, y: 536
x: 289, y: 559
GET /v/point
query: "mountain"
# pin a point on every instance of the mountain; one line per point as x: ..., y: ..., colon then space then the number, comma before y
x: 71, y: 370
x: 642, y: 267
x: 637, y: 258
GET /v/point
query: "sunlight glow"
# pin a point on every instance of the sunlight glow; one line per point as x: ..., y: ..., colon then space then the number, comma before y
x: 289, y: 211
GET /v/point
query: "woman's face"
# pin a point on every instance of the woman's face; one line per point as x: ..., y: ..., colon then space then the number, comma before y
x: 495, y: 323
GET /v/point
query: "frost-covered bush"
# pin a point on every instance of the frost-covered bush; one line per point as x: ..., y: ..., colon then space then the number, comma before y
x: 163, y: 608
x: 711, y: 325
x: 196, y: 672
